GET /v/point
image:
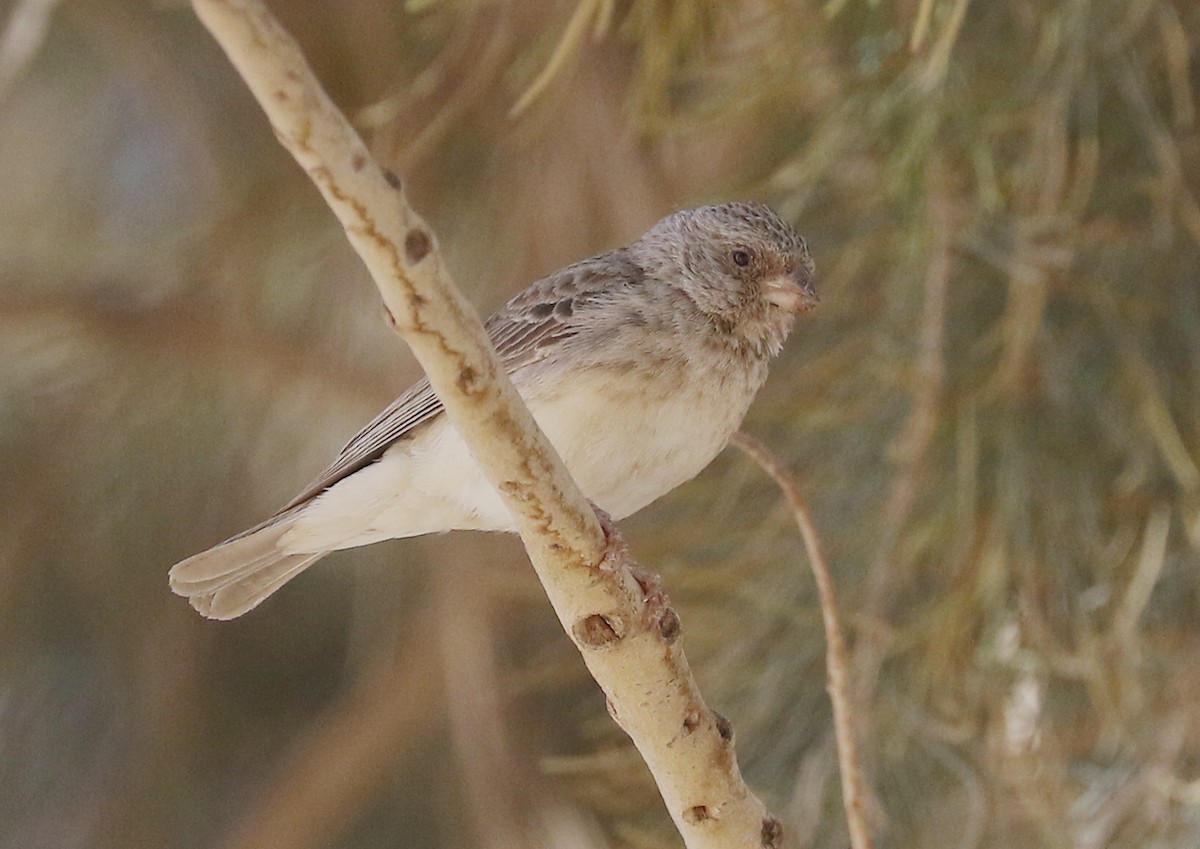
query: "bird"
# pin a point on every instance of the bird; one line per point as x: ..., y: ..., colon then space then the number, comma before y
x: 638, y: 364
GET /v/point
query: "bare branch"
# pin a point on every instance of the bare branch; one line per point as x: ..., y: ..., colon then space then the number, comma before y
x: 835, y: 653
x: 628, y: 638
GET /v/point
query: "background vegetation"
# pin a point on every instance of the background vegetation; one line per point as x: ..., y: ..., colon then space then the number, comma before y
x: 996, y: 412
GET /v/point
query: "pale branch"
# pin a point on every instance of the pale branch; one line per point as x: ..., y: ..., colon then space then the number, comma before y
x: 628, y: 637
x: 836, y: 662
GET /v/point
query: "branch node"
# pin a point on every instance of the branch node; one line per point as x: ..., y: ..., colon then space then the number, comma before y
x: 699, y: 814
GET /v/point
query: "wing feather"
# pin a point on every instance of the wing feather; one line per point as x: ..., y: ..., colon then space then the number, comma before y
x: 527, y: 330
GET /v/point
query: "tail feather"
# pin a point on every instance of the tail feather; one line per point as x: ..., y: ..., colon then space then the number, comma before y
x: 237, y: 575
x: 246, y: 593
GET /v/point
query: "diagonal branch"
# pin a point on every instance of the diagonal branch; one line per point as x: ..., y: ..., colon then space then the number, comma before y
x: 628, y: 637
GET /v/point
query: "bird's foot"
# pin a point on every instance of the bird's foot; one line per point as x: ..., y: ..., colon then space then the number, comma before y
x: 657, y: 614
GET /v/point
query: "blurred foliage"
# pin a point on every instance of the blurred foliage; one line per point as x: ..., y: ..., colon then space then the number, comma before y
x: 996, y: 412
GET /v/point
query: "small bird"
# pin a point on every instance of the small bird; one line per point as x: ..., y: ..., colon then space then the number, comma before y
x: 638, y: 364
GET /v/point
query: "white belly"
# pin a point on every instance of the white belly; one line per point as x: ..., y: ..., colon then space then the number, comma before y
x: 625, y: 446
x: 626, y: 449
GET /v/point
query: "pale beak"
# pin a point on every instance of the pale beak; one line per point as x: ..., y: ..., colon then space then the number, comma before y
x: 794, y: 293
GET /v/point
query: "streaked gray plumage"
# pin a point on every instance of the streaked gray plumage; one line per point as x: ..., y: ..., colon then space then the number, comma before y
x: 639, y: 364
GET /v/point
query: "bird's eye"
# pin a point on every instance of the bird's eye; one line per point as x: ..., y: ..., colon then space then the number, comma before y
x: 741, y: 258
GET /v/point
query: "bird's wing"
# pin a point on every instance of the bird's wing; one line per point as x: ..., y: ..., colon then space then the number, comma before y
x: 527, y: 330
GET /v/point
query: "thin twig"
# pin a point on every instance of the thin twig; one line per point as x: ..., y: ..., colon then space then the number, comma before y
x: 586, y: 12
x: 939, y: 58
x: 835, y: 651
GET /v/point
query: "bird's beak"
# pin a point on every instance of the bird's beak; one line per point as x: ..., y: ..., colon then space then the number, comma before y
x: 794, y: 292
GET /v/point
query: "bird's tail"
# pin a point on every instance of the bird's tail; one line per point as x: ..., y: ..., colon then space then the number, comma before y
x: 236, y: 576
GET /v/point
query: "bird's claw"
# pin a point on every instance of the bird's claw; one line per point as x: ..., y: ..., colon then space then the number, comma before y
x: 657, y: 614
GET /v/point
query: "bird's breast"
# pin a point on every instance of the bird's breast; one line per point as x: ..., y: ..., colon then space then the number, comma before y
x: 630, y: 436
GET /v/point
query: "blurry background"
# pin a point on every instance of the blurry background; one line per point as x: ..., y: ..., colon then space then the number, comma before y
x: 995, y: 413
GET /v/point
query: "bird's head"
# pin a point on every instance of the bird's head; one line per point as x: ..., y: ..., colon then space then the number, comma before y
x: 742, y: 266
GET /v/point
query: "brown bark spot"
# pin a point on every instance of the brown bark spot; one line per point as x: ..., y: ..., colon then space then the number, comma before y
x: 697, y: 814
x: 772, y: 833
x: 393, y: 179
x: 724, y: 727
x: 597, y: 631
x: 612, y: 710
x: 691, y: 722
x: 468, y: 380
x: 417, y: 245
x: 358, y: 162
x: 668, y: 626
